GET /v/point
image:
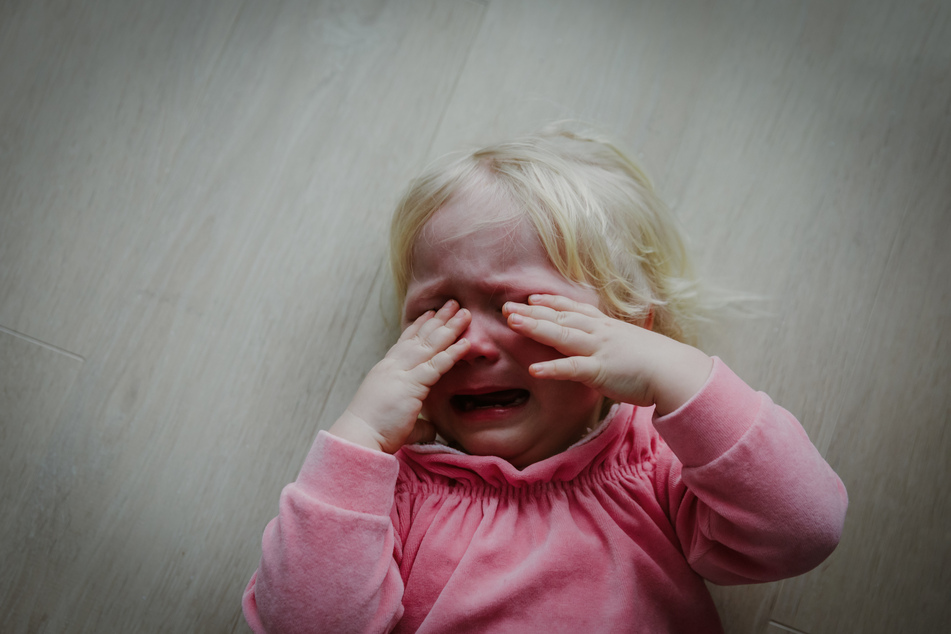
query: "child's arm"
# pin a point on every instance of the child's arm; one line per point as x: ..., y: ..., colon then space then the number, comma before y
x: 329, y: 559
x: 749, y: 496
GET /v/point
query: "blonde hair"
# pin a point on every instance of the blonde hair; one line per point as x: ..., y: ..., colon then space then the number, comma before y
x: 595, y: 211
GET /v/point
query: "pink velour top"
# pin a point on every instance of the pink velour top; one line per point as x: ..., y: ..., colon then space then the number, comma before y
x: 616, y: 534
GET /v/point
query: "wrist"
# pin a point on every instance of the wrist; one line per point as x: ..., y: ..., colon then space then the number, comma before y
x: 354, y: 429
x: 683, y: 376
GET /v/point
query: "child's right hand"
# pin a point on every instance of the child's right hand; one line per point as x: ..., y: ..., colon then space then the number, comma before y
x: 384, y: 413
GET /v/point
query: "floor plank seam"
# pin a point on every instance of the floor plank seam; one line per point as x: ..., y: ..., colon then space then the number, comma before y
x: 42, y: 344
x: 455, y: 86
x: 786, y: 628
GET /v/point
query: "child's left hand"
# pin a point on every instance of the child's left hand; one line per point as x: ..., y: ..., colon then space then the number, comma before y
x: 624, y: 362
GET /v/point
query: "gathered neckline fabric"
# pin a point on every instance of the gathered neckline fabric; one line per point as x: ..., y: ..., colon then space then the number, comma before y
x: 593, y: 458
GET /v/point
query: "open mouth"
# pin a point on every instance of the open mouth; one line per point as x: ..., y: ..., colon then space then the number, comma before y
x: 489, y: 400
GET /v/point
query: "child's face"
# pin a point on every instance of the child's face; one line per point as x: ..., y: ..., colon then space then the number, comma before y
x: 488, y: 403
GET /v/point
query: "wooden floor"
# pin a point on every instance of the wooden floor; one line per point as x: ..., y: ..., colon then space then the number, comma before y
x: 193, y: 205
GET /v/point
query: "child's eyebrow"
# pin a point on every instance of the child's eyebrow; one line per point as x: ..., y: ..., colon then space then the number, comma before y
x: 418, y: 302
x: 514, y: 286
x: 508, y: 290
x: 426, y: 293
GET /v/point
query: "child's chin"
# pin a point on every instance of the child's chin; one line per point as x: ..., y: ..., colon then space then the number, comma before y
x: 504, y: 444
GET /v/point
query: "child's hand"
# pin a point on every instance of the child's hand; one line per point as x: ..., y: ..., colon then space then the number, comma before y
x: 384, y: 413
x: 622, y: 361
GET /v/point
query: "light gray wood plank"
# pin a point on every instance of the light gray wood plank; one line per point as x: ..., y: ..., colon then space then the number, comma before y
x: 890, y: 573
x: 899, y: 134
x: 35, y: 381
x: 202, y: 216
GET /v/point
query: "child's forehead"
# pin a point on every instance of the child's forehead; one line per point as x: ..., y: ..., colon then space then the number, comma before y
x: 480, y: 242
x: 494, y: 260
x: 471, y: 211
x: 459, y: 236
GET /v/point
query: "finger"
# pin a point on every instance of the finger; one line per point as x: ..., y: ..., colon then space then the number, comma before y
x: 410, y: 352
x: 444, y: 361
x: 414, y: 327
x: 568, y: 319
x: 568, y: 341
x: 580, y: 369
x: 447, y: 333
x: 560, y: 302
x: 426, y: 337
x: 432, y: 370
x: 443, y: 315
x: 423, y: 432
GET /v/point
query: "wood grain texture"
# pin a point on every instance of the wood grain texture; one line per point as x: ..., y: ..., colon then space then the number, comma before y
x: 35, y: 381
x: 198, y: 207
x: 892, y: 445
x: 193, y: 204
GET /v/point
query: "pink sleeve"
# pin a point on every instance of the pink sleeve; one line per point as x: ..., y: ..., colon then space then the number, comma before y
x: 327, y: 562
x: 750, y: 497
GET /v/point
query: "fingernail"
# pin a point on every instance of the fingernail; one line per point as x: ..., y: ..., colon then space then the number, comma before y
x: 515, y: 318
x: 534, y: 298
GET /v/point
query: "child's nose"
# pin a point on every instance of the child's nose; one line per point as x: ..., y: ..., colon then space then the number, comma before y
x: 482, y: 345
